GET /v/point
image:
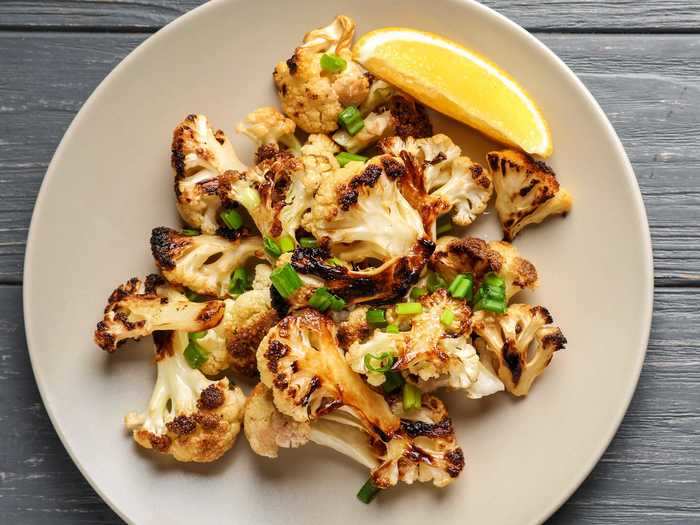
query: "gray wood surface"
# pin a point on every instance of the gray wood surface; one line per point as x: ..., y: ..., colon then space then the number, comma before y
x: 640, y: 58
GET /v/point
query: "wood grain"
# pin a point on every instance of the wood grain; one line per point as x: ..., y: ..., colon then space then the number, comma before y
x: 649, y: 87
x: 651, y: 469
x: 553, y: 15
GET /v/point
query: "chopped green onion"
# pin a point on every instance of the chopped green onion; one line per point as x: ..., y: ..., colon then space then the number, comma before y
x: 320, y: 300
x: 286, y: 243
x: 334, y: 261
x: 491, y: 295
x: 194, y: 296
x: 447, y: 317
x: 392, y: 381
x: 411, y: 397
x: 333, y: 63
x: 444, y: 225
x: 231, y: 219
x: 337, y: 303
x: 409, y: 308
x: 240, y: 281
x: 491, y: 305
x: 195, y: 355
x: 368, y: 492
x: 271, y: 247
x: 351, y: 119
x: 461, y: 287
x: 308, y: 242
x: 435, y: 282
x: 286, y: 280
x: 385, y: 359
x: 249, y: 198
x: 190, y: 232
x: 197, y: 335
x: 417, y: 293
x: 392, y: 329
x: 376, y: 317
x: 344, y: 158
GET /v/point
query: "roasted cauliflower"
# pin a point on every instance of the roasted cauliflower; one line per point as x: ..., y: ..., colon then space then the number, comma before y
x: 138, y: 308
x: 527, y: 191
x: 188, y: 416
x: 520, y: 343
x: 202, y: 263
x: 454, y: 256
x: 200, y: 156
x: 312, y: 96
x: 268, y: 127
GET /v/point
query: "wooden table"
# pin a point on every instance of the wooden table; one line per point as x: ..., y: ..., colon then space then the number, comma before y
x: 641, y: 60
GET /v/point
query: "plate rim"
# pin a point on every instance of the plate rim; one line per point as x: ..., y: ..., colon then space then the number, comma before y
x: 629, y: 176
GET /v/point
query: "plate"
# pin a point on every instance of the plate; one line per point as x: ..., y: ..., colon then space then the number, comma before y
x: 110, y: 182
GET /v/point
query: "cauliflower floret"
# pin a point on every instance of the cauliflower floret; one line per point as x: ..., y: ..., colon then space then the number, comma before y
x: 300, y: 360
x: 462, y: 185
x: 519, y: 342
x: 471, y: 255
x: 385, y: 283
x: 401, y: 116
x: 267, y: 429
x: 311, y: 96
x: 202, y: 263
x: 188, y: 416
x: 527, y: 191
x: 138, y: 308
x: 362, y: 212
x: 266, y: 126
x: 429, y: 354
x: 199, y: 157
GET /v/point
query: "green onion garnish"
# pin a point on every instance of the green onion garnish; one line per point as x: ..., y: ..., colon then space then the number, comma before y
x: 286, y: 280
x: 447, y: 317
x: 231, y: 219
x: 337, y: 303
x: 271, y: 247
x: 444, y: 225
x: 194, y: 296
x: 308, y: 242
x: 344, y: 158
x: 417, y: 293
x: 351, y: 119
x: 190, y: 232
x: 435, y: 282
x: 334, y: 261
x: 240, y: 281
x: 197, y: 335
x: 333, y: 63
x: 376, y: 317
x: 411, y: 397
x: 461, y: 286
x: 409, y: 308
x: 392, y: 381
x: 195, y: 355
x: 286, y: 243
x: 385, y: 361
x: 368, y: 492
x: 491, y: 295
x: 322, y: 300
x: 392, y: 329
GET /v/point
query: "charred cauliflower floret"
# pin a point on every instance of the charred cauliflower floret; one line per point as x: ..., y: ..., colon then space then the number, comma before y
x: 463, y: 186
x: 300, y: 360
x: 471, y: 255
x: 267, y: 429
x: 268, y: 127
x: 429, y: 353
x: 200, y: 156
x: 401, y: 116
x: 520, y: 343
x: 527, y: 191
x: 138, y: 308
x: 318, y: 156
x: 361, y: 211
x: 312, y: 96
x: 203, y: 263
x: 188, y: 416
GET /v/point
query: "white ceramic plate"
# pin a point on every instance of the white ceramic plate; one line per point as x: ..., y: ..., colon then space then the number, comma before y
x: 110, y: 183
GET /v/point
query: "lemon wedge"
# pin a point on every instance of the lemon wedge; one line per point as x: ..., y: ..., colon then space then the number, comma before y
x: 458, y: 82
